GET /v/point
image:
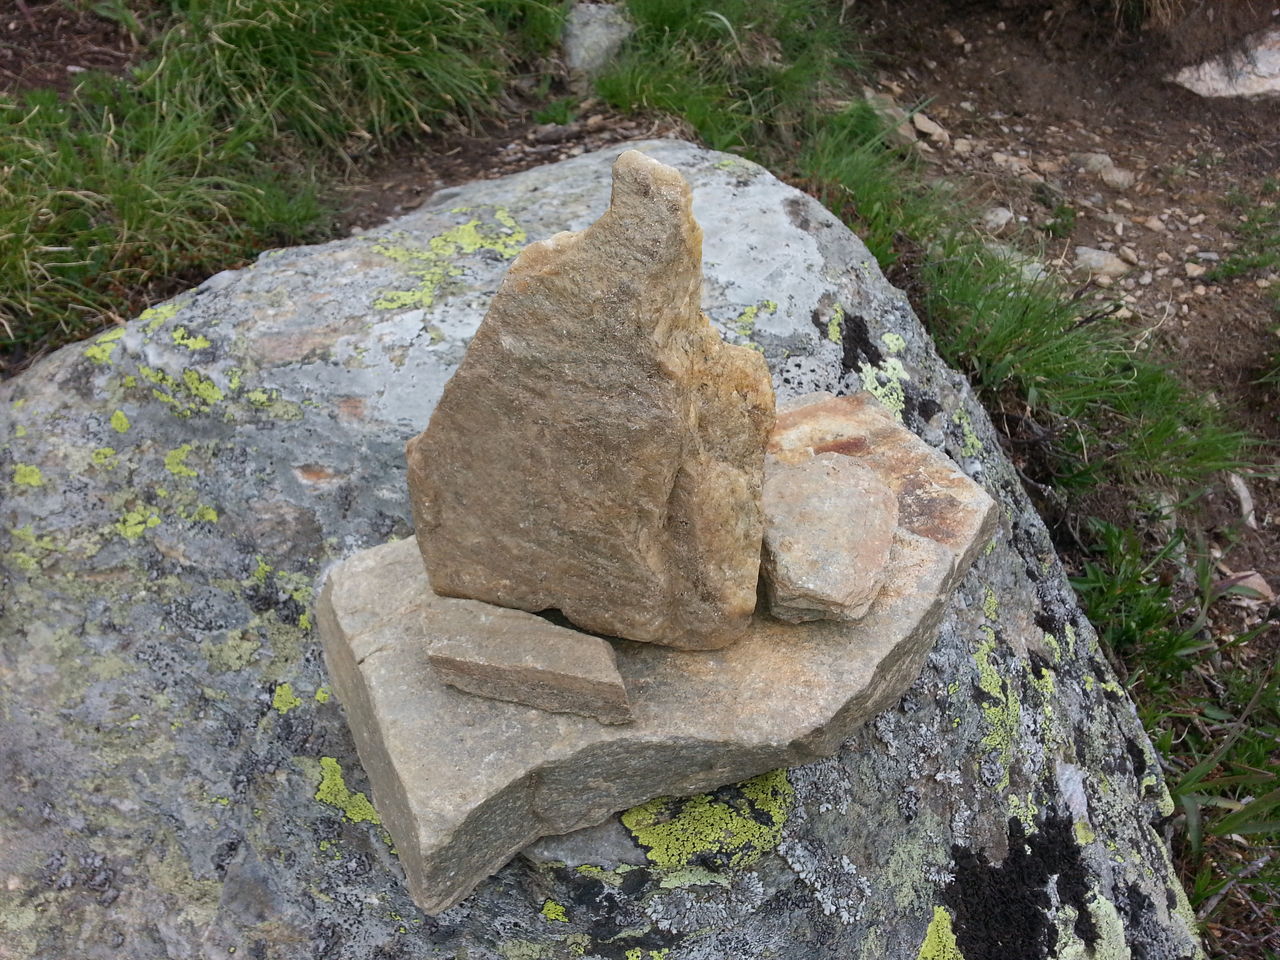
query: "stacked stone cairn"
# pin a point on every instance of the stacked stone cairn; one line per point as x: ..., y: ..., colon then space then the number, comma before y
x: 602, y: 491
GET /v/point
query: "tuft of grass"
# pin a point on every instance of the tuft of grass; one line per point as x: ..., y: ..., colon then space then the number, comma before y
x: 107, y: 193
x: 562, y: 111
x: 211, y: 151
x: 1212, y: 702
x: 1256, y: 230
x: 369, y: 70
x: 741, y: 73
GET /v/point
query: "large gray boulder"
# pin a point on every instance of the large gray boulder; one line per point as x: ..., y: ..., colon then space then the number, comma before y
x: 180, y: 783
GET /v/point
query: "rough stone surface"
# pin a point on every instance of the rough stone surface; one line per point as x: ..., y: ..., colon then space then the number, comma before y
x: 935, y: 499
x: 600, y: 449
x: 1253, y: 72
x: 593, y: 34
x: 1100, y: 262
x: 168, y: 796
x: 509, y: 655
x: 828, y: 529
x: 464, y: 783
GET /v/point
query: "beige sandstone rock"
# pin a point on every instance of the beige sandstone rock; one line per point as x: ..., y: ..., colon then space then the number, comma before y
x: 829, y: 524
x: 935, y: 499
x: 511, y: 655
x: 600, y: 449
x: 464, y: 782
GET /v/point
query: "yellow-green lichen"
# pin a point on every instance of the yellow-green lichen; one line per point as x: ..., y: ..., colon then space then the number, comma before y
x: 155, y: 316
x: 1055, y: 648
x: 885, y: 384
x: 433, y: 265
x: 205, y: 514
x: 234, y: 653
x: 201, y: 387
x: 284, y: 699
x: 103, y: 457
x: 175, y: 461
x: 835, y: 324
x: 184, y: 339
x: 893, y: 342
x: 1004, y: 715
x: 322, y: 695
x: 745, y: 325
x: 972, y: 445
x: 192, y: 393
x: 1084, y: 833
x: 940, y: 939
x: 27, y: 475
x: 554, y: 912
x: 734, y: 830
x: 119, y: 422
x: 103, y: 347
x: 135, y: 523
x: 1024, y: 811
x: 1042, y: 680
x: 333, y: 791
x: 990, y: 603
x: 20, y: 431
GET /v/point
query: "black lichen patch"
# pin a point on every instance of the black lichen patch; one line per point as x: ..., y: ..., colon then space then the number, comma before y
x: 857, y: 345
x: 1136, y: 757
x: 1002, y: 910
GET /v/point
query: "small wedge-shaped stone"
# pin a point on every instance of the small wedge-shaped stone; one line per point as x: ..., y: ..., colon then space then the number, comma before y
x: 600, y: 449
x: 514, y: 656
x: 935, y: 499
x: 829, y: 524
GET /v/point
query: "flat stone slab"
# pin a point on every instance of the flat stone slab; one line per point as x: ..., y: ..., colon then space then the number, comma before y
x: 511, y: 655
x: 463, y: 783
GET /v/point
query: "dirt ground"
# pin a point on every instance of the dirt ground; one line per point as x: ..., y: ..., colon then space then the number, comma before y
x: 46, y: 44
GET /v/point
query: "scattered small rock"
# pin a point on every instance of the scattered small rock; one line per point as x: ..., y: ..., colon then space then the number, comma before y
x: 1194, y: 270
x: 930, y: 128
x: 1101, y: 263
x: 1117, y: 178
x: 995, y: 220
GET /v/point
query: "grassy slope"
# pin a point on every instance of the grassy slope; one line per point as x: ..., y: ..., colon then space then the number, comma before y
x: 212, y: 149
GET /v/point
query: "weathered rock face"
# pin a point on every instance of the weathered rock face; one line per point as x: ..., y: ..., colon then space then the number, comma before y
x: 829, y: 526
x: 179, y: 781
x: 600, y: 449
x: 1252, y: 72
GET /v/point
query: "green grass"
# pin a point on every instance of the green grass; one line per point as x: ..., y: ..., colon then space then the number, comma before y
x: 1211, y: 701
x: 1256, y: 230
x: 368, y: 71
x: 1103, y: 410
x: 107, y: 193
x: 212, y: 149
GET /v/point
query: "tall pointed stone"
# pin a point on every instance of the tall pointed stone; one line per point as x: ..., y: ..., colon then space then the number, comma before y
x: 600, y: 449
